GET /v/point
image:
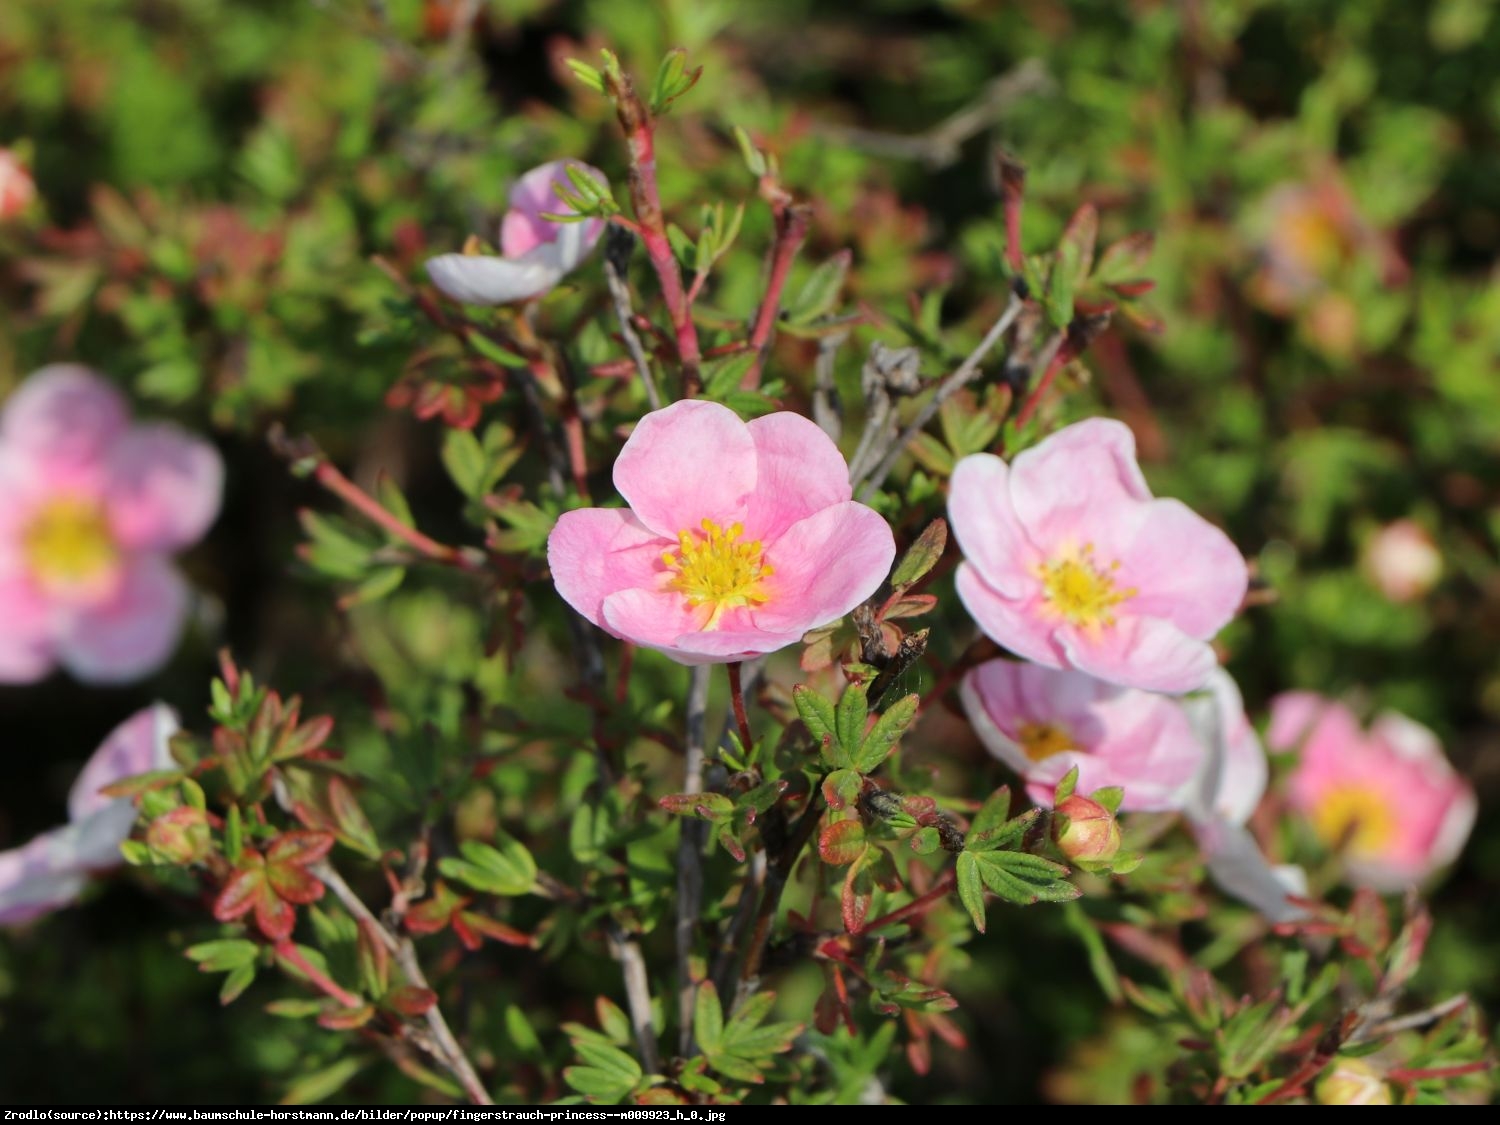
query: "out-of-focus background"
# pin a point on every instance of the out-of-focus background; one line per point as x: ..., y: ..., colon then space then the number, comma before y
x: 1323, y: 180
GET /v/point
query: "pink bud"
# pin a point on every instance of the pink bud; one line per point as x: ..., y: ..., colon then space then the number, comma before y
x: 17, y: 188
x: 1402, y: 561
x: 1092, y: 834
x: 1352, y: 1082
x: 180, y: 836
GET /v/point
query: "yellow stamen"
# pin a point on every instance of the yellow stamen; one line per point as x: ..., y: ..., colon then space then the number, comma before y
x: 68, y: 541
x: 1080, y: 591
x: 712, y: 568
x: 1358, y: 818
x: 1039, y: 741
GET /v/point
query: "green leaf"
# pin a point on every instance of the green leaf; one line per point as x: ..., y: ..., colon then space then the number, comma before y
x: 1022, y: 878
x: 508, y: 869
x: 708, y: 1018
x: 322, y: 1083
x: 235, y: 983
x: 221, y: 956
x: 1110, y: 797
x: 465, y: 461
x: 886, y: 732
x: 1075, y: 250
x: 612, y: 1019
x: 1065, y: 787
x: 234, y: 835
x: 586, y: 74
x: 849, y: 719
x: 755, y: 160
x: 820, y: 291
x: 971, y: 888
x: 993, y: 813
x: 821, y: 720
x: 921, y: 556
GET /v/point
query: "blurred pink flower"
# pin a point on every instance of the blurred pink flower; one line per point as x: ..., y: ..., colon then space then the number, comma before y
x: 1042, y: 723
x: 17, y: 188
x: 1072, y: 563
x: 1402, y: 561
x: 536, y: 253
x: 1387, y: 796
x: 1229, y: 786
x: 91, y: 509
x: 52, y: 870
x: 739, y: 538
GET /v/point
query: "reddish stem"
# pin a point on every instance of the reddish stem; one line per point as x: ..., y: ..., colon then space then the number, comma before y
x: 1061, y: 359
x: 288, y: 952
x: 737, y: 697
x: 652, y: 228
x: 916, y: 906
x: 328, y: 475
x: 791, y: 231
x: 1013, y: 191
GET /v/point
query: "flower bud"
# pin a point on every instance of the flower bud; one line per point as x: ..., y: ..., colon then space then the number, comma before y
x: 1091, y: 835
x: 1403, y: 561
x: 180, y: 836
x: 17, y: 188
x: 1352, y: 1082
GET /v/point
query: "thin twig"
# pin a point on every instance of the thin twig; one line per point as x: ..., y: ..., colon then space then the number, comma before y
x: 949, y: 386
x: 825, y: 394
x: 737, y: 698
x: 302, y: 451
x: 450, y: 1052
x: 1053, y: 358
x: 637, y: 994
x: 620, y: 293
x: 690, y: 855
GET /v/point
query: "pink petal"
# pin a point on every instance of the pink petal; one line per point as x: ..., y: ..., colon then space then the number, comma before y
x: 1244, y: 771
x: 986, y: 527
x: 664, y: 621
x: 534, y: 195
x: 64, y: 413
x: 37, y: 878
x: 594, y: 552
x: 27, y: 650
x: 693, y: 460
x: 799, y: 471
x: 1081, y: 485
x: 482, y: 279
x: 137, y: 745
x: 1292, y: 716
x: 1236, y: 864
x: 1017, y: 625
x: 824, y: 566
x: 132, y: 635
x: 1141, y: 652
x: 164, y: 488
x: 1184, y: 570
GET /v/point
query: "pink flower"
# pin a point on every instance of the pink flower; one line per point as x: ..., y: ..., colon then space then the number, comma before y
x: 740, y: 537
x: 536, y: 253
x: 1229, y: 786
x: 1072, y: 563
x: 17, y: 188
x: 1387, y: 796
x: 1402, y: 561
x: 1042, y: 723
x: 91, y: 509
x: 52, y: 870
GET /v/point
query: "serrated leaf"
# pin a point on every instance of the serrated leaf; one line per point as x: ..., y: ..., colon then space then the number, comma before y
x: 609, y: 1059
x: 821, y: 719
x: 841, y: 788
x: 505, y: 869
x: 886, y: 732
x: 1022, y: 878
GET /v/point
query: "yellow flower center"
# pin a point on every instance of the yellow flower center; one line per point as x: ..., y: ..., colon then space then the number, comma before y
x: 1039, y: 741
x: 69, y: 542
x: 1081, y: 591
x: 712, y: 568
x: 1358, y: 818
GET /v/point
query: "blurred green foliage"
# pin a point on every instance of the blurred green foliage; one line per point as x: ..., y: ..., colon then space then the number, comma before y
x: 1323, y: 181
